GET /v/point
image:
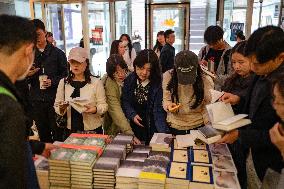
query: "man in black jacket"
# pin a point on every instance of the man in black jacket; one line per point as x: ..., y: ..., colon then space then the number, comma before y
x: 52, y: 62
x: 167, y: 56
x: 17, y: 42
x: 266, y: 52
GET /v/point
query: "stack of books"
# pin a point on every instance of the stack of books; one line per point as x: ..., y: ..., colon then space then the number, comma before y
x: 74, y: 140
x: 115, y: 150
x: 104, y: 172
x: 161, y: 142
x: 224, y: 170
x: 178, y: 175
x: 134, y: 156
x: 153, y: 174
x: 125, y: 140
x: 127, y: 174
x: 201, y: 176
x: 142, y: 149
x: 82, y: 163
x: 42, y: 167
x: 59, y: 168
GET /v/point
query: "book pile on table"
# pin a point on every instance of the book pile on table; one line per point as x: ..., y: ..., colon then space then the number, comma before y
x: 42, y: 167
x: 104, y: 172
x: 59, y: 168
x: 161, y: 142
x: 82, y: 163
x: 115, y: 150
x: 224, y: 170
x: 125, y: 140
x: 127, y: 174
x: 153, y: 174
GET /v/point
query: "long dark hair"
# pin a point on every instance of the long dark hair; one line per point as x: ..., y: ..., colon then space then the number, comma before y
x: 230, y: 82
x: 198, y: 86
x: 158, y: 45
x: 129, y: 43
x: 87, y: 73
x: 149, y: 56
x: 114, y: 47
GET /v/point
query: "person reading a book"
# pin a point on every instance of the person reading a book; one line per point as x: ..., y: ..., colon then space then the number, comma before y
x: 215, y: 55
x: 238, y: 84
x: 115, y: 121
x: 266, y: 53
x: 81, y: 96
x: 241, y: 77
x: 185, y: 94
x: 142, y: 97
x: 277, y: 132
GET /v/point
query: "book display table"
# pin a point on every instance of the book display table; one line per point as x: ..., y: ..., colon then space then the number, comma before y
x: 94, y: 161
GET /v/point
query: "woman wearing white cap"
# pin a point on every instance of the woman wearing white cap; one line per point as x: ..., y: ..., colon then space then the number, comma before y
x: 81, y: 95
x: 185, y: 94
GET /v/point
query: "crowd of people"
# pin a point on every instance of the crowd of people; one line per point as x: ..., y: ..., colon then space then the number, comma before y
x: 154, y: 90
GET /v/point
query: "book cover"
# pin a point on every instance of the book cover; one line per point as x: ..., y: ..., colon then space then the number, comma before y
x: 84, y: 157
x: 124, y: 137
x: 180, y: 156
x: 179, y: 170
x: 177, y: 147
x: 201, y: 174
x: 161, y: 139
x: 61, y: 154
x: 200, y: 156
x: 185, y: 141
x: 219, y: 149
x: 74, y: 140
x: 94, y: 142
x: 223, y: 163
x: 107, y: 163
x: 153, y: 166
x: 208, y: 134
x: 141, y: 149
x: 137, y: 156
x: 160, y: 156
x: 129, y: 169
x: 224, y: 179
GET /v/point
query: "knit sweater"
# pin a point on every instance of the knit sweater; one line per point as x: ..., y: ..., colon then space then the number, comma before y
x: 186, y: 118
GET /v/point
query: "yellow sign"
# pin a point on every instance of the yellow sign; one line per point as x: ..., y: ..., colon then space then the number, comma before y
x: 169, y: 22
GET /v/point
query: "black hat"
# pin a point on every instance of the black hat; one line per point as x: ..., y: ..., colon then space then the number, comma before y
x: 186, y: 63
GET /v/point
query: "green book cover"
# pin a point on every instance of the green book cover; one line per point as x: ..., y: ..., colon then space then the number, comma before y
x: 62, y: 154
x: 74, y: 140
x: 86, y: 157
x: 94, y: 142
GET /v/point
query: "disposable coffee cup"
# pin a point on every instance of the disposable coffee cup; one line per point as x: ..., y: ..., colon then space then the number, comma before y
x: 42, y: 79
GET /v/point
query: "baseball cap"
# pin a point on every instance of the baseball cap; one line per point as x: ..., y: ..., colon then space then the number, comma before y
x: 79, y: 54
x: 186, y: 63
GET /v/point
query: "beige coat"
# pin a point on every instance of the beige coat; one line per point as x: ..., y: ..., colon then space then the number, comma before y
x: 93, y: 91
x: 186, y: 118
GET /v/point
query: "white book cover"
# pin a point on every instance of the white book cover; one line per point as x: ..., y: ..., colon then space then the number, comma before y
x: 184, y: 141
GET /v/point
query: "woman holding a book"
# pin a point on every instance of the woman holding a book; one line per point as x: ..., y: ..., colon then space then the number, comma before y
x: 142, y: 97
x: 241, y: 77
x: 81, y: 96
x: 185, y: 94
x: 115, y: 120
